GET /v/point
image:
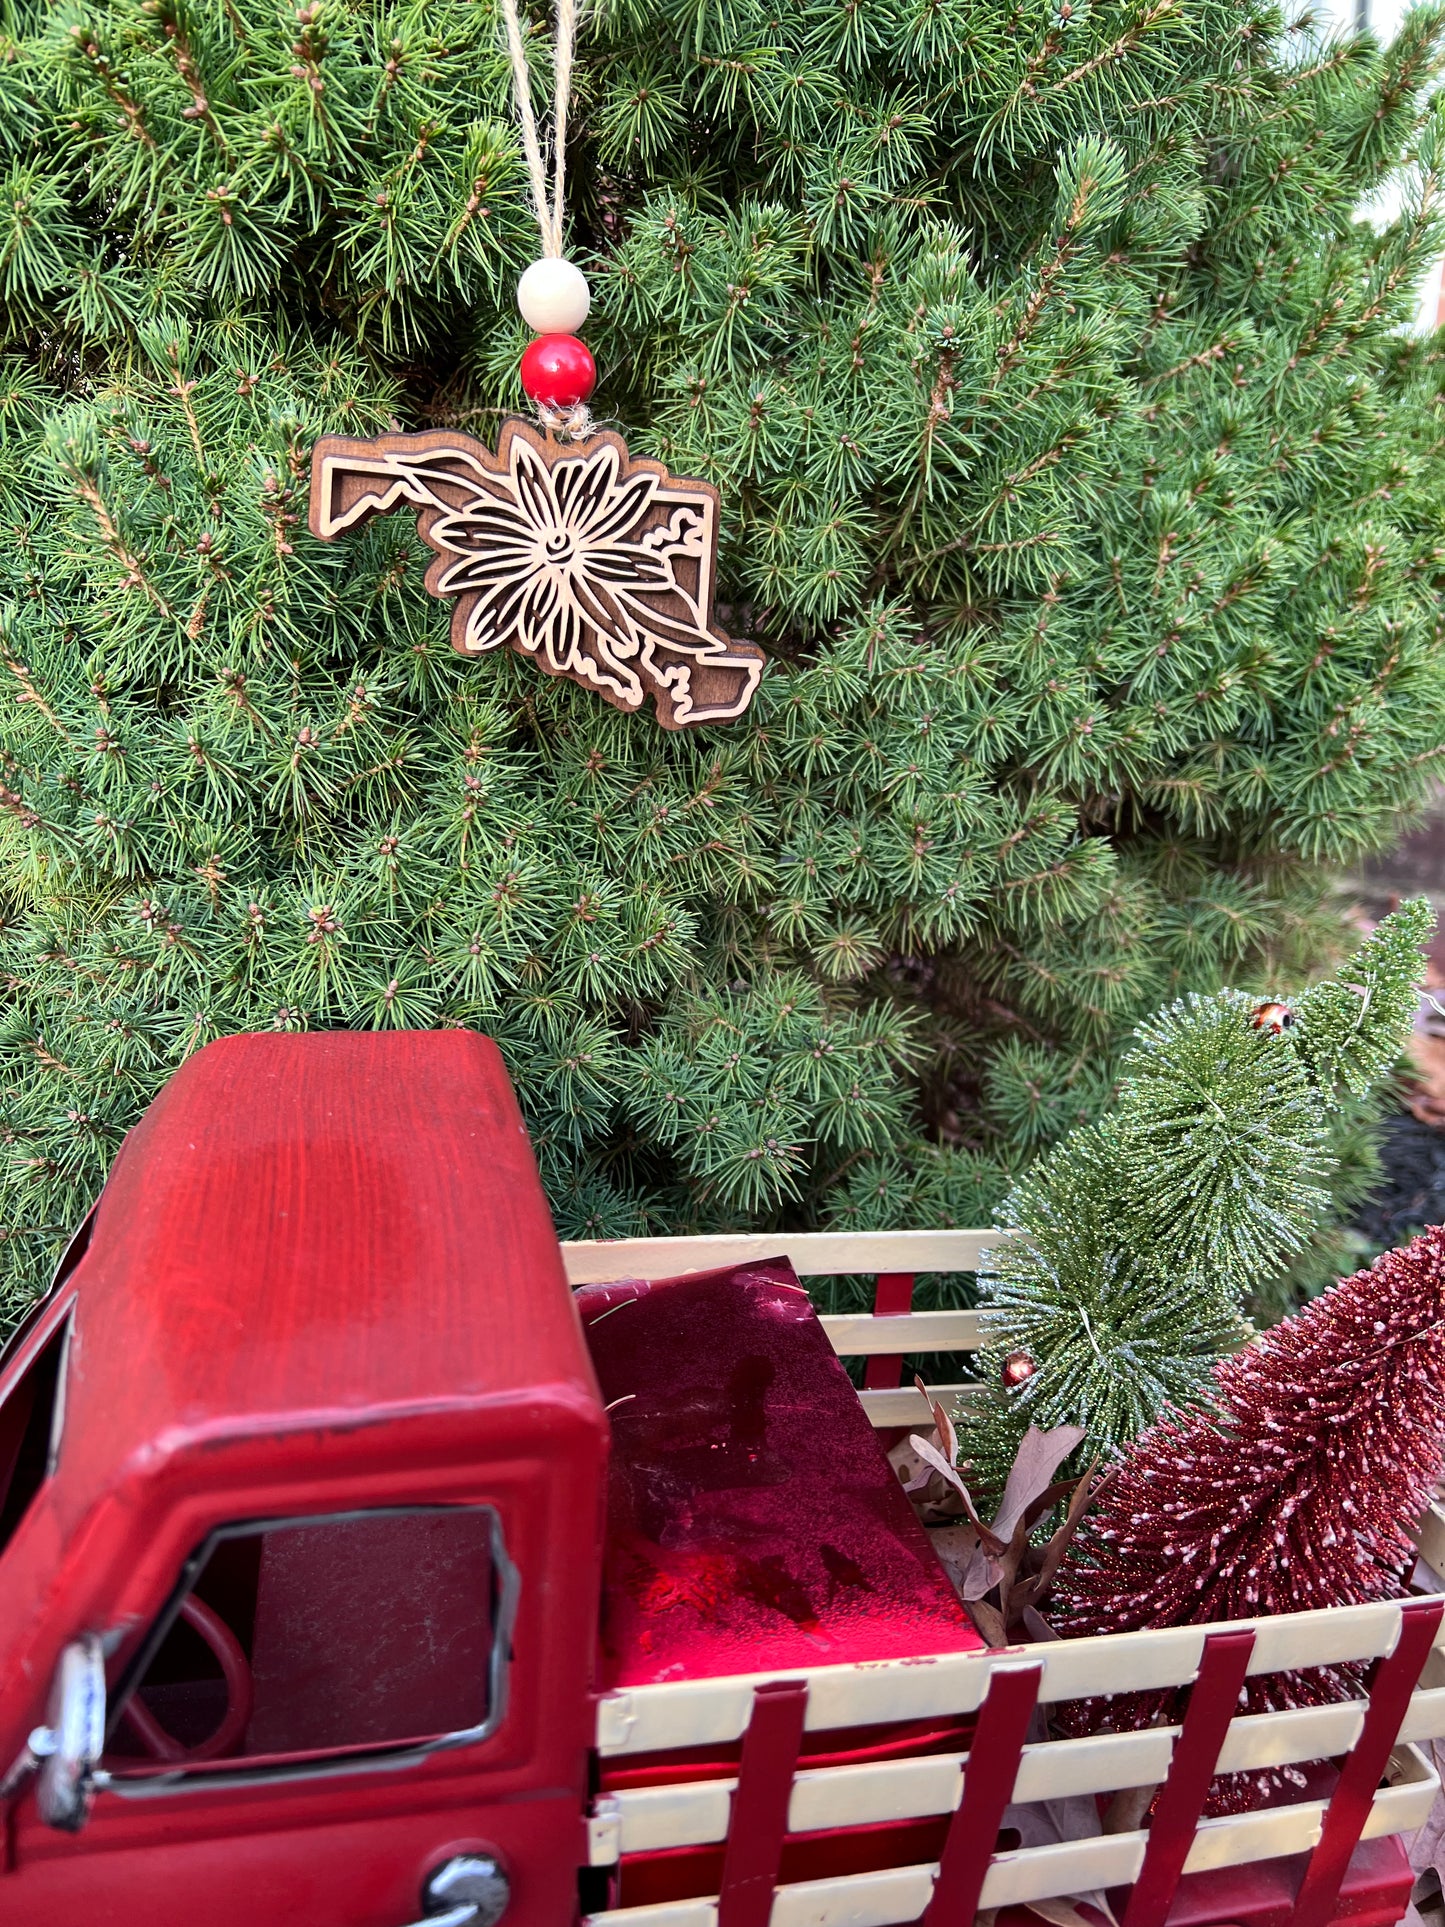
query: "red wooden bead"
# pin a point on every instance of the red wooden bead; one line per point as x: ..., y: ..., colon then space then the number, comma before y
x: 558, y: 371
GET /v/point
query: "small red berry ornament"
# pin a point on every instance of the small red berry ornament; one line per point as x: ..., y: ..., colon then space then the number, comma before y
x: 558, y: 371
x: 1017, y: 1369
x: 1275, y: 1018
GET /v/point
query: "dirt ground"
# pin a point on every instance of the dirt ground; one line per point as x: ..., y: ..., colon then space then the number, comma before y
x: 1414, y: 1146
x: 1415, y: 865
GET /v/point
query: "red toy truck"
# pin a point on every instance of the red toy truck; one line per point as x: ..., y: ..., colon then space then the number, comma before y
x: 355, y: 1570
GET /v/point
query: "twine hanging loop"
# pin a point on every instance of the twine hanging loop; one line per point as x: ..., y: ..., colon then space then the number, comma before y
x: 548, y: 207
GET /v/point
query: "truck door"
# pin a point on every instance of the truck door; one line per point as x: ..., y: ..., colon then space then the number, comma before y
x: 315, y: 1724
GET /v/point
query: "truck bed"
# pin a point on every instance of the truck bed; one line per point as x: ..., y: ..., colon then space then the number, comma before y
x: 1326, y: 1855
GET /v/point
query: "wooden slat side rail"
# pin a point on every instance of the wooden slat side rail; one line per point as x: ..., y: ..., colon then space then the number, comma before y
x: 813, y: 1254
x: 1038, y: 1873
x: 890, y: 1333
x: 647, y: 1719
x: 695, y: 1813
x: 864, y: 1335
x: 1352, y: 1800
x: 1213, y: 1699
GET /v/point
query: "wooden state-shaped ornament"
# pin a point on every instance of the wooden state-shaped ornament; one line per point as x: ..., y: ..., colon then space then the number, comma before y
x: 597, y: 564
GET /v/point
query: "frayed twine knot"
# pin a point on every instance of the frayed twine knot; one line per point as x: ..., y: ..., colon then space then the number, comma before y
x: 573, y: 424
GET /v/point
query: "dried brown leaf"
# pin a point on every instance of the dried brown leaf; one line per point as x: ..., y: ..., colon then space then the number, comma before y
x: 931, y: 1455
x: 1034, y: 1589
x: 989, y: 1621
x: 1125, y: 1812
x: 942, y: 1423
x: 1038, y: 1458
x: 955, y: 1547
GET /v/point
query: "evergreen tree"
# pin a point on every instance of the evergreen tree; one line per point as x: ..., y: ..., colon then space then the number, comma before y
x: 1294, y: 1487
x: 1074, y: 474
x: 1142, y: 1235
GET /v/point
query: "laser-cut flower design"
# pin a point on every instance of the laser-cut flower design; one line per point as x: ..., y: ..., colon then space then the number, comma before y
x: 597, y: 565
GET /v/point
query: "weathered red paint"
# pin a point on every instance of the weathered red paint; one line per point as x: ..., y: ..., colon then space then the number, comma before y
x: 322, y: 1276
x: 1213, y: 1701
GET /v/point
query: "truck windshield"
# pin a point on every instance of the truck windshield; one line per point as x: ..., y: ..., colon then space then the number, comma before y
x: 30, y: 1419
x: 297, y: 1642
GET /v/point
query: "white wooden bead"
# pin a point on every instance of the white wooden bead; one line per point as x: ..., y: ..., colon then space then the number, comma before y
x: 554, y: 297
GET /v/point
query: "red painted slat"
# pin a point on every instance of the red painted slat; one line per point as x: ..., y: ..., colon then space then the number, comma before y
x: 1395, y: 1678
x: 759, y: 1819
x: 988, y: 1784
x: 892, y: 1298
x: 1213, y: 1702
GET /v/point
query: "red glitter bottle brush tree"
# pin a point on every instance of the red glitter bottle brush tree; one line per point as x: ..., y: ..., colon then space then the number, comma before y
x: 1294, y: 1487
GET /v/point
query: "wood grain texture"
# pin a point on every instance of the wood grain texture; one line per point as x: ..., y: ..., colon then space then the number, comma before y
x: 596, y: 563
x: 812, y: 1254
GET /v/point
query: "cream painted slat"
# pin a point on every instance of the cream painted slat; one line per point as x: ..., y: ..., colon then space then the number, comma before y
x: 646, y: 1719
x: 677, y: 1913
x: 860, y: 1335
x: 1325, y: 1637
x: 1240, y: 1838
x: 1425, y: 1716
x: 1069, y: 1866
x: 813, y: 1254
x: 647, y: 1819
x: 903, y: 1405
x: 1232, y: 1841
x: 1039, y: 1873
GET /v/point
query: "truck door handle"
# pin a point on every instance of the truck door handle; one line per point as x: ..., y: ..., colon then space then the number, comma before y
x: 469, y: 1890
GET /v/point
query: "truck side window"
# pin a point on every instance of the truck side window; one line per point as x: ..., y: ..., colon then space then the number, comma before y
x: 30, y: 1430
x: 302, y: 1638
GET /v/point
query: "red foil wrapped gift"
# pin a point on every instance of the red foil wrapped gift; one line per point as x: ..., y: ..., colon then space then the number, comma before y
x: 753, y: 1519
